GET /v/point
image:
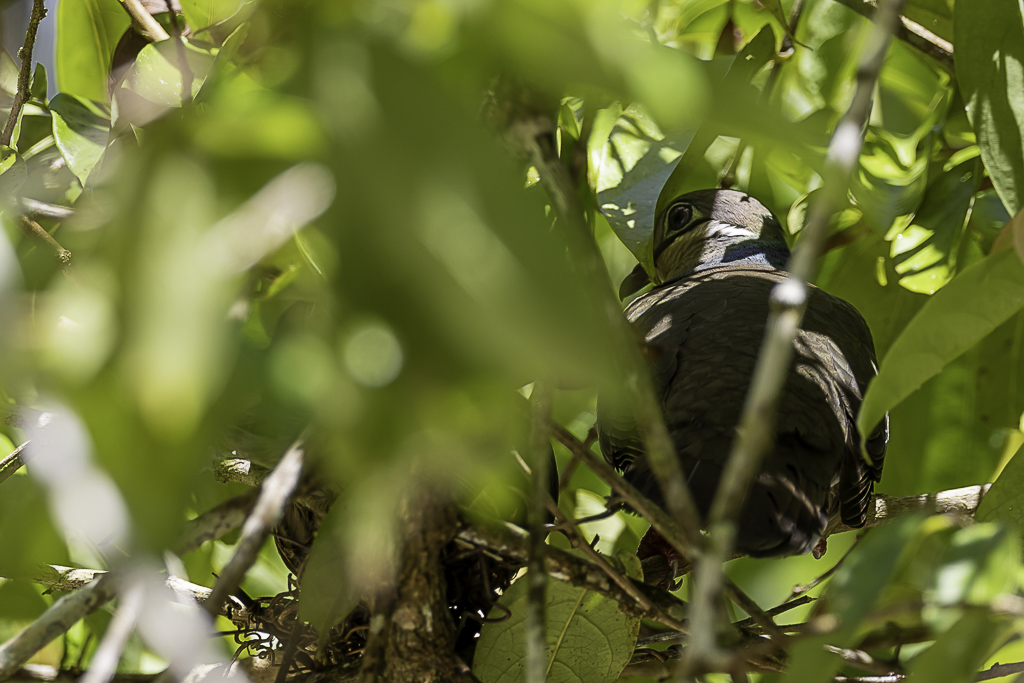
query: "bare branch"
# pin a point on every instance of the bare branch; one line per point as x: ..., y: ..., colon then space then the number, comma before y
x: 61, y: 615
x: 34, y: 207
x: 756, y: 430
x: 910, y: 32
x: 216, y: 522
x: 564, y: 566
x: 25, y: 72
x: 277, y: 488
x: 536, y: 135
x: 13, y: 462
x: 144, y: 20
x: 33, y: 229
x: 108, y: 654
x: 540, y: 447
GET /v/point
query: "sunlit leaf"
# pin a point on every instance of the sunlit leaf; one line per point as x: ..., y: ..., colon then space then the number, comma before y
x: 81, y: 130
x: 87, y: 32
x: 959, y: 315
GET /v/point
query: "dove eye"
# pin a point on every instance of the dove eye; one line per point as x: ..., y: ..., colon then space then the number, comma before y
x: 678, y: 218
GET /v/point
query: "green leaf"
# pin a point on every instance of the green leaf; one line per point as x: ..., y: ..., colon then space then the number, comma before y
x: 958, y: 653
x: 926, y: 250
x: 13, y: 172
x: 25, y: 525
x: 588, y: 638
x: 38, y: 88
x: 958, y: 316
x: 8, y: 73
x: 156, y: 75
x: 87, y: 33
x: 201, y: 14
x: 758, y: 52
x: 990, y: 68
x: 851, y: 595
x: 81, y: 130
x: 1003, y: 502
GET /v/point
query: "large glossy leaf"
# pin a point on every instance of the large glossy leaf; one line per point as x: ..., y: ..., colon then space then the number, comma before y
x: 87, y: 32
x: 587, y: 637
x: 81, y: 130
x: 157, y: 73
x: 990, y: 68
x: 957, y: 317
x: 1004, y: 502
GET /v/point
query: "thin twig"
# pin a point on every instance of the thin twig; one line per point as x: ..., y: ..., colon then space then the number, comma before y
x: 108, y: 654
x: 537, y: 137
x: 277, y: 488
x: 25, y: 72
x: 536, y: 577
x: 216, y: 522
x: 638, y: 502
x: 564, y: 566
x: 13, y: 462
x: 911, y: 33
x: 33, y: 229
x: 144, y: 20
x: 179, y: 43
x: 756, y: 429
x: 568, y: 528
x: 34, y: 207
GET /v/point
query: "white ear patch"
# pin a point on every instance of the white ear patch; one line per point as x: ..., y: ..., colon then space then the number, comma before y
x: 716, y: 229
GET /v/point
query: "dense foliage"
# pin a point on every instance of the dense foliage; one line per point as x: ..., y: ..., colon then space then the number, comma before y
x: 316, y: 222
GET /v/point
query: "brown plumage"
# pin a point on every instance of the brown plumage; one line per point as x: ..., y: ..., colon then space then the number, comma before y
x: 718, y: 254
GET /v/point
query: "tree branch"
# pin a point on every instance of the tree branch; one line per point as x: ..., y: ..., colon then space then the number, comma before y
x: 788, y: 301
x: 536, y: 136
x: 216, y: 522
x: 33, y: 229
x: 13, y: 462
x: 61, y: 615
x: 144, y: 20
x: 25, y: 72
x: 540, y: 446
x: 277, y: 488
x: 909, y: 32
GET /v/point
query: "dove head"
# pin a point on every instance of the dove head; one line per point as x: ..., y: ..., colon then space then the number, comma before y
x: 707, y: 228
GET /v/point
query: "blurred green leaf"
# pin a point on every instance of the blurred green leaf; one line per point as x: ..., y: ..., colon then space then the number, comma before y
x: 87, y: 33
x: 977, y: 301
x: 25, y: 525
x: 851, y: 595
x: 201, y: 14
x: 156, y: 75
x: 957, y: 654
x: 13, y: 172
x: 81, y: 130
x: 587, y: 637
x: 1003, y: 502
x: 20, y: 601
x: 990, y: 68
